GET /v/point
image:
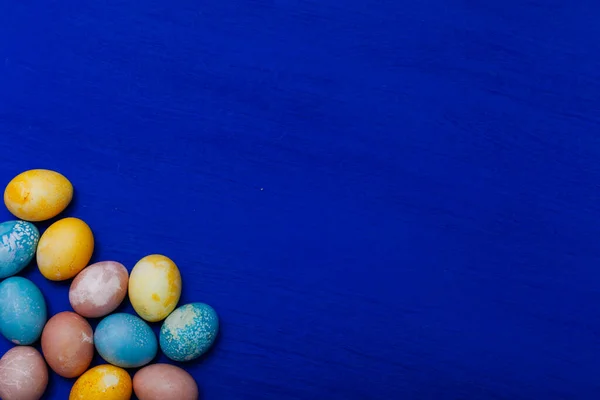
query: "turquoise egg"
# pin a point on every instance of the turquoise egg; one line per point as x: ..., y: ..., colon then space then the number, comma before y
x: 125, y: 340
x: 22, y: 310
x: 18, y: 242
x: 189, y: 331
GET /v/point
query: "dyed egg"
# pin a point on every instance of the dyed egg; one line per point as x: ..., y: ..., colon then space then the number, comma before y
x: 65, y: 249
x: 104, y: 382
x: 99, y: 289
x: 22, y: 310
x: 154, y: 287
x: 18, y: 241
x: 23, y: 374
x: 125, y: 340
x: 189, y: 331
x: 164, y: 381
x: 68, y: 344
x: 38, y: 195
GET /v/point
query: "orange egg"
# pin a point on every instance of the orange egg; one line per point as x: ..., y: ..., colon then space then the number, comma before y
x: 104, y: 382
x: 38, y: 195
x: 68, y: 344
x: 64, y: 249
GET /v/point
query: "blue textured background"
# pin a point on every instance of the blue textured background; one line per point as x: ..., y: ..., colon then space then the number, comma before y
x: 383, y: 199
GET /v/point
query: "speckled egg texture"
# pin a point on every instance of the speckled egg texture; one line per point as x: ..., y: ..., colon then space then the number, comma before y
x: 18, y: 242
x: 104, y: 382
x: 64, y: 249
x: 68, y: 344
x: 125, y: 340
x: 164, y: 381
x: 22, y: 310
x: 23, y: 374
x: 38, y: 194
x: 99, y: 289
x: 189, y: 331
x: 154, y: 287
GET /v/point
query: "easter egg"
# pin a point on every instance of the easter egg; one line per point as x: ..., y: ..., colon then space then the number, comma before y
x: 154, y: 287
x: 99, y: 289
x: 68, y: 344
x: 23, y: 374
x: 104, y: 382
x: 164, y: 381
x: 22, y: 310
x: 38, y: 195
x: 189, y: 331
x: 18, y: 241
x: 65, y: 249
x: 125, y: 340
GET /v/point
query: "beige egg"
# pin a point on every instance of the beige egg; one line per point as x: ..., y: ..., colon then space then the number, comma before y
x: 38, y: 194
x: 68, y: 344
x: 164, y: 381
x: 23, y: 374
x: 99, y: 289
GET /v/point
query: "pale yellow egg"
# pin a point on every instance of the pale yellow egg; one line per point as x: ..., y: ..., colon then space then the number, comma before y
x: 65, y: 249
x: 104, y: 382
x: 154, y: 287
x: 38, y: 195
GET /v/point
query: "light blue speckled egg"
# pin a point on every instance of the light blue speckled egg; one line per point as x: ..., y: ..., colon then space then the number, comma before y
x: 22, y: 310
x: 189, y: 331
x: 125, y: 340
x: 18, y: 242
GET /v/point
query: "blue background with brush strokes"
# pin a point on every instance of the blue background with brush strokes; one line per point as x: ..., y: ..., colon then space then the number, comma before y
x: 383, y: 199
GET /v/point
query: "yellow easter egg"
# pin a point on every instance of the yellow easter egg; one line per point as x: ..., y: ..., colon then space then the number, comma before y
x: 65, y: 249
x: 104, y: 382
x: 38, y: 195
x: 154, y: 287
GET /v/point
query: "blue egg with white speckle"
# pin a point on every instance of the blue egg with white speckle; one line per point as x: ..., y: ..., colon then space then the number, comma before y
x: 189, y: 331
x: 22, y: 310
x: 18, y: 242
x: 125, y: 340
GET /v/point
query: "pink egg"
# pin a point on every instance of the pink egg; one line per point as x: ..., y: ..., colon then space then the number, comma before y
x: 68, y: 344
x: 23, y: 374
x: 99, y: 289
x: 164, y: 381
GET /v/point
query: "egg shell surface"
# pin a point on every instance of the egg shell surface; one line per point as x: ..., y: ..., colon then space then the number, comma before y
x: 164, y: 381
x: 38, y: 195
x: 189, y: 331
x: 99, y: 289
x: 22, y: 310
x: 18, y: 243
x: 23, y: 374
x: 104, y: 382
x: 154, y: 287
x: 64, y: 249
x: 68, y: 344
x: 125, y: 340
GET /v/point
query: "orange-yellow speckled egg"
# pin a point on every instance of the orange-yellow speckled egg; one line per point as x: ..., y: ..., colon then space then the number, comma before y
x: 65, y: 249
x: 154, y: 287
x: 38, y: 195
x: 104, y: 382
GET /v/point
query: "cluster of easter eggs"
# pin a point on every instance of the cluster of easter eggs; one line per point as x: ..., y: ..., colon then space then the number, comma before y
x: 67, y: 340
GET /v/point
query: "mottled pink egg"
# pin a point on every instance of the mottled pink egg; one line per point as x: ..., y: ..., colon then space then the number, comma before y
x: 68, y: 344
x: 99, y: 289
x: 164, y: 381
x: 23, y: 374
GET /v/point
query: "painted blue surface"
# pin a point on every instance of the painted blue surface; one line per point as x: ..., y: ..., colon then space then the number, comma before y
x: 125, y: 340
x: 23, y: 312
x: 18, y: 242
x: 382, y: 199
x: 189, y: 332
